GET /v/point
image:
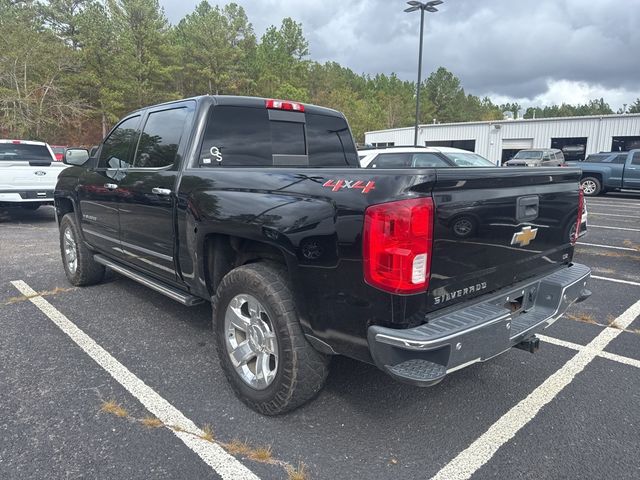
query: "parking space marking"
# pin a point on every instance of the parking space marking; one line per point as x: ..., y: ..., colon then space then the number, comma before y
x: 626, y: 229
x: 608, y: 246
x: 616, y: 280
x: 224, y: 464
x: 484, y: 448
x: 574, y: 346
x: 611, y: 215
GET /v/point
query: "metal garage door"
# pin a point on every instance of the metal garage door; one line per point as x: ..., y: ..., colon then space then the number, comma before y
x: 517, y: 143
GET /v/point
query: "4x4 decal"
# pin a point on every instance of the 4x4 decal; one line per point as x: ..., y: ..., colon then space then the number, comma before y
x: 337, y: 185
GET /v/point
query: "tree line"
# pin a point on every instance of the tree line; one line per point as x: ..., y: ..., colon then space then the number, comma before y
x: 69, y: 69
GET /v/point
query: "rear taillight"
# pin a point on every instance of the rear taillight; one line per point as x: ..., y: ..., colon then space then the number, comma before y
x: 284, y: 105
x: 575, y: 236
x: 397, y: 242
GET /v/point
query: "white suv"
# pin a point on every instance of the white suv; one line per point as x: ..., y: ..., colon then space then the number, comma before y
x: 28, y: 173
x: 421, y: 157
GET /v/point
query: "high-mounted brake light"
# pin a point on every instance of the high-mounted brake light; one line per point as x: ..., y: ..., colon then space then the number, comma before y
x: 397, y: 243
x: 284, y: 105
x: 574, y: 237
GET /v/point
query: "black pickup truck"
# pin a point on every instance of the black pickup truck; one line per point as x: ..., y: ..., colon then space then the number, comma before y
x: 259, y: 207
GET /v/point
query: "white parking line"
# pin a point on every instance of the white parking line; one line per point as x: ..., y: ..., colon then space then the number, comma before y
x: 574, y: 346
x: 611, y: 215
x: 616, y: 228
x: 608, y: 246
x: 485, y: 447
x: 616, y: 280
x: 225, y: 465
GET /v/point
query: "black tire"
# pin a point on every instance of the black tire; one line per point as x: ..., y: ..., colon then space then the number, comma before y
x: 301, y: 370
x: 591, y: 186
x: 87, y: 271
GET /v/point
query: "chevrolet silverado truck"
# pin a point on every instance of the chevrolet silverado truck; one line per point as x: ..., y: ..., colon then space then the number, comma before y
x: 603, y: 172
x: 259, y: 207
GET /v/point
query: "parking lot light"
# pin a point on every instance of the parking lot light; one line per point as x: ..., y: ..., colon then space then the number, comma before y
x: 428, y: 7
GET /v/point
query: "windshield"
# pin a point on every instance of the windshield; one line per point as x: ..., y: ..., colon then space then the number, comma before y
x: 469, y: 160
x: 59, y: 150
x: 528, y: 155
x: 24, y: 152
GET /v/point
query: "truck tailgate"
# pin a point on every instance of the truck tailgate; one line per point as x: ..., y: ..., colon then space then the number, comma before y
x: 495, y: 227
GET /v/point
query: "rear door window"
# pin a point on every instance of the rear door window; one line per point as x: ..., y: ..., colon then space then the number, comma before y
x: 392, y: 160
x: 160, y: 139
x: 23, y: 152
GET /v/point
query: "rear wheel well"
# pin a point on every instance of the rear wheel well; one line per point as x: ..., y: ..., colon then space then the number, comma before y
x: 63, y: 206
x: 223, y: 253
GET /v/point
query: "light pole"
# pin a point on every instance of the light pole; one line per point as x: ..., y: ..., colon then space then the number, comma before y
x: 429, y: 7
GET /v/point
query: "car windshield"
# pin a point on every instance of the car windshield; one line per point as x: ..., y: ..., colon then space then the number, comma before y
x: 528, y: 155
x: 469, y: 160
x: 58, y: 149
x: 24, y: 152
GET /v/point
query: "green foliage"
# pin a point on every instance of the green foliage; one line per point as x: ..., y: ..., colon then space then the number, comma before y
x: 635, y: 107
x: 70, y: 68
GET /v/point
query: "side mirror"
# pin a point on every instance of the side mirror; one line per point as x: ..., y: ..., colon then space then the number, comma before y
x: 76, y: 156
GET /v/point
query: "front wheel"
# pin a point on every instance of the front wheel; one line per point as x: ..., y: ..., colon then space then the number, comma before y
x: 79, y: 265
x: 591, y: 186
x: 260, y: 344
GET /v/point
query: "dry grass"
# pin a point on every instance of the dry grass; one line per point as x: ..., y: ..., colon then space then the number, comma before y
x: 207, y: 433
x: 297, y: 473
x: 583, y: 317
x: 609, y: 254
x: 261, y: 454
x: 177, y: 428
x: 630, y: 244
x: 152, y: 422
x: 113, y: 408
x: 237, y: 447
x: 44, y: 293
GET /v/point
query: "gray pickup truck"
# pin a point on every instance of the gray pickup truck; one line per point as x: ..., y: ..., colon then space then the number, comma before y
x: 602, y: 172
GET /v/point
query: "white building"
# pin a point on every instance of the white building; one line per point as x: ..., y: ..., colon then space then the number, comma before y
x: 499, y: 140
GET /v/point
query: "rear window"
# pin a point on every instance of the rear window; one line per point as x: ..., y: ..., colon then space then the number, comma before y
x: 24, y: 152
x: 615, y: 158
x: 528, y: 154
x: 246, y: 137
x: 58, y: 150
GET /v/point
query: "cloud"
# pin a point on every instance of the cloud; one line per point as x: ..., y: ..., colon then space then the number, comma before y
x: 527, y: 49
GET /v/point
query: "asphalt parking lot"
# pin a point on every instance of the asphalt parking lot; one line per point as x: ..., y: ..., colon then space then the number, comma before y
x: 89, y: 402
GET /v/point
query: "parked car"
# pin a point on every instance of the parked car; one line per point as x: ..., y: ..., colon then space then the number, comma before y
x: 603, y: 172
x: 420, y: 157
x: 28, y: 173
x: 260, y: 207
x: 539, y: 157
x: 58, y: 151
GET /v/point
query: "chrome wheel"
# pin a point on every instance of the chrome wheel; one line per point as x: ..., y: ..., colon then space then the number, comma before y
x: 70, y: 251
x: 463, y: 227
x: 589, y: 187
x: 250, y: 341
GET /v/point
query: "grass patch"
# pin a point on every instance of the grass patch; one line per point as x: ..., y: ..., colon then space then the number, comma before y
x: 113, y: 408
x: 207, y: 433
x: 630, y: 244
x: 261, y: 454
x: 152, y: 422
x: 237, y: 447
x: 297, y: 473
x: 583, y: 317
x: 44, y: 293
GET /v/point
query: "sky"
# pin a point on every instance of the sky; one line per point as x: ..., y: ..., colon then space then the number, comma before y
x: 535, y: 52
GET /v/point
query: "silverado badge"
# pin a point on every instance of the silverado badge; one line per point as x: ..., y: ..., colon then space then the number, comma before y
x: 524, y: 237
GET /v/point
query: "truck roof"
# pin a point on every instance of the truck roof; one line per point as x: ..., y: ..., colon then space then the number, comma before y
x: 26, y: 142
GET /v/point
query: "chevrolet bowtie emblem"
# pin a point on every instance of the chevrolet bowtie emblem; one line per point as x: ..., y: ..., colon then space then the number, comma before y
x: 524, y: 236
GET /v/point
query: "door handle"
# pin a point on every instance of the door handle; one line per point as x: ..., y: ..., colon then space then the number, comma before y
x: 110, y: 186
x: 161, y: 191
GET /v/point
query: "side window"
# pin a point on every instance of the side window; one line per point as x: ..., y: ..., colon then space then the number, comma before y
x: 546, y: 157
x: 330, y: 142
x: 392, y: 160
x: 636, y: 159
x: 428, y: 160
x: 117, y: 147
x: 560, y: 156
x: 237, y: 137
x: 160, y: 139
